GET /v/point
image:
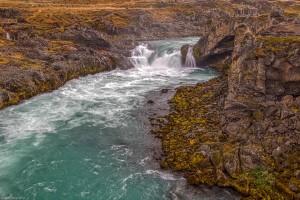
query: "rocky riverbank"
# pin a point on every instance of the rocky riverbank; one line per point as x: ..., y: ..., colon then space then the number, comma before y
x: 241, y: 130
x: 45, y: 44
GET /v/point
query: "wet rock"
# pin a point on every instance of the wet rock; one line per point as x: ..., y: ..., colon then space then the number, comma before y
x: 150, y: 101
x: 121, y: 61
x: 164, y: 91
x: 184, y: 50
x: 217, y: 46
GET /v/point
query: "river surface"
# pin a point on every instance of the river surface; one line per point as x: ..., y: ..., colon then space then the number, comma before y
x: 85, y: 140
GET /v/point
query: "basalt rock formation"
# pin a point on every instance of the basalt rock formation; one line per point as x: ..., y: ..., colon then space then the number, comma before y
x: 242, y: 130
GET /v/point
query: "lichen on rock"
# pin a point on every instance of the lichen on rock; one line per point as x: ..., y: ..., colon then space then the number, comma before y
x: 241, y: 130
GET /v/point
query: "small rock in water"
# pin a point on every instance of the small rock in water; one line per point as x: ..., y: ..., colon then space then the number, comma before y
x: 150, y: 102
x: 163, y: 91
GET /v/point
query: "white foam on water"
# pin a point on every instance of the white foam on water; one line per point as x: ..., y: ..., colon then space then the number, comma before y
x: 144, y: 160
x: 190, y: 60
x: 102, y: 100
x: 164, y: 175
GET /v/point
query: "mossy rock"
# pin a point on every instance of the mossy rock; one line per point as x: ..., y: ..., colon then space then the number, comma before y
x: 242, y: 185
x: 217, y: 159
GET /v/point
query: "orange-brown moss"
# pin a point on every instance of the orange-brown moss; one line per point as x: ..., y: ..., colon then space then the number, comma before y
x: 193, y: 143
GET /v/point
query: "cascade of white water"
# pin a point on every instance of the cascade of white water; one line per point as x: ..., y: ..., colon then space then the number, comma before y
x: 190, y: 59
x: 98, y: 124
x: 140, y: 55
x: 164, y: 57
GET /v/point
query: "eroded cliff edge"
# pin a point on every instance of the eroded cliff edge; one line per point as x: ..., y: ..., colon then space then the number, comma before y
x: 241, y: 129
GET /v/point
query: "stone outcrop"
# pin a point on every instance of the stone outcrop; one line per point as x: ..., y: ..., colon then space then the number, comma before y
x: 217, y: 42
x: 241, y: 131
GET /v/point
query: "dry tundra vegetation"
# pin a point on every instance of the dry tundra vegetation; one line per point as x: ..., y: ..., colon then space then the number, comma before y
x: 240, y: 130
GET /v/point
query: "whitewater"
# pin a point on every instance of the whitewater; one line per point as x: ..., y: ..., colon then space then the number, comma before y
x: 85, y: 140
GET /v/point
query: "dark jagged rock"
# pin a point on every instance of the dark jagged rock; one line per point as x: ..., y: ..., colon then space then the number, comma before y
x: 164, y: 91
x: 184, y: 50
x: 150, y: 101
x: 217, y: 43
x: 244, y: 135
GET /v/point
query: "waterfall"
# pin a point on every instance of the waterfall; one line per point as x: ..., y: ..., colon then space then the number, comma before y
x: 140, y: 55
x: 190, y: 60
x: 98, y: 123
x: 162, y: 57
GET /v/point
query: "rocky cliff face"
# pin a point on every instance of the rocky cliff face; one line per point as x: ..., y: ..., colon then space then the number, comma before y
x: 217, y: 40
x: 261, y: 108
x: 242, y: 131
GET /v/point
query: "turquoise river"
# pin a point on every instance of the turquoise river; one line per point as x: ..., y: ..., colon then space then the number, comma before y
x: 86, y: 140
